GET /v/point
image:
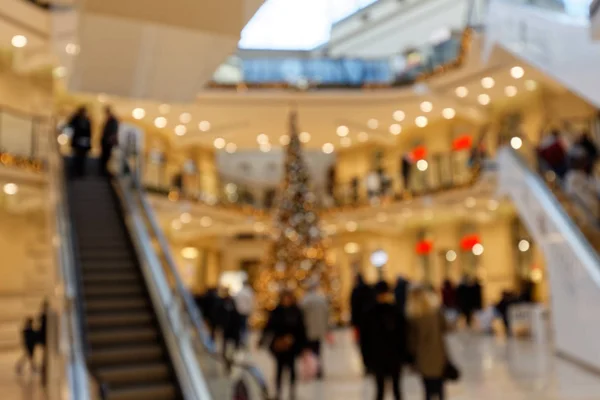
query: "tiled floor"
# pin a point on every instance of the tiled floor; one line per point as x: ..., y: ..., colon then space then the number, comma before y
x: 15, y: 387
x: 493, y: 369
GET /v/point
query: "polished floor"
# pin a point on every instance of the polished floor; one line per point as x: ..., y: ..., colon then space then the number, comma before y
x: 493, y: 369
x: 18, y: 387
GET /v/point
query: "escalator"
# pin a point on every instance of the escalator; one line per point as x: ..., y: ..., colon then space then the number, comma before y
x: 126, y: 351
x: 550, y: 36
x: 569, y: 235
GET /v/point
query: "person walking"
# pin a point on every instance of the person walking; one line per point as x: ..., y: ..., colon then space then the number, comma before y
x: 229, y: 322
x: 400, y: 293
x: 426, y: 342
x: 110, y: 139
x: 29, y: 336
x: 383, y: 339
x: 285, y: 335
x: 361, y: 299
x: 81, y: 141
x: 407, y: 163
x: 316, y: 319
x: 244, y: 303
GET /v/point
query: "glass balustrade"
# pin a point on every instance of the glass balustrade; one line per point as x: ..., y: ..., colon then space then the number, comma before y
x: 23, y: 138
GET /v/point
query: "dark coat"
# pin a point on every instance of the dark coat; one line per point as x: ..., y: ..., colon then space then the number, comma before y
x: 82, y: 133
x: 229, y: 320
x: 110, y: 131
x: 285, y: 322
x: 400, y: 293
x: 362, y: 298
x: 383, y: 339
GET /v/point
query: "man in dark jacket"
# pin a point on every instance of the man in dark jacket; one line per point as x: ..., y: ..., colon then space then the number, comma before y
x: 81, y: 141
x: 109, y: 139
x: 400, y: 294
x: 383, y: 340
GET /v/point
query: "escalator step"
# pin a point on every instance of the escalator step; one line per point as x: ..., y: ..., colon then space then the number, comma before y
x: 139, y: 335
x: 111, y: 356
x: 119, y: 319
x: 114, y: 290
x: 93, y: 276
x: 154, y: 391
x: 136, y: 373
x: 102, y: 305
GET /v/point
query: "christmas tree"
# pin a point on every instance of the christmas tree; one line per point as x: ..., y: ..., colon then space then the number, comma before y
x: 297, y: 258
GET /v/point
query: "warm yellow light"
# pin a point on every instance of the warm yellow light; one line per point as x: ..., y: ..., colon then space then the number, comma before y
x: 265, y: 147
x: 351, y: 248
x: 63, y: 139
x: 138, y: 113
x: 523, y: 245
x: 395, y: 129
x: 204, y: 126
x: 185, y: 218
x: 448, y: 113
x: 160, y: 122
x: 72, y: 49
x: 478, y: 249
x: 426, y: 106
x: 59, y: 72
x: 346, y: 142
x: 304, y: 137
x: 530, y: 85
x: 19, y: 41
x: 517, y: 72
x: 231, y: 148
x: 262, y: 139
x: 363, y: 137
x: 373, y: 123
x: 422, y: 165
x: 461, y: 91
x: 164, y: 109
x: 206, y: 221
x: 493, y: 205
x: 451, y: 255
x: 259, y: 227
x: 284, y: 140
x: 185, y: 118
x: 11, y: 189
x: 488, y: 82
x: 102, y: 97
x: 219, y: 143
x: 176, y: 224
x: 421, y: 121
x: 510, y: 91
x: 180, y: 130
x: 342, y: 131
x: 399, y: 115
x: 190, y: 253
x: 328, y: 148
x: 483, y: 99
x: 351, y: 226
x: 516, y: 143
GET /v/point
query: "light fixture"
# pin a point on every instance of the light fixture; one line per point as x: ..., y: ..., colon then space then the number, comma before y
x: 351, y: 226
x: 517, y: 72
x: 470, y: 202
x: 328, y: 148
x: 422, y: 165
x: 381, y: 217
x: 189, y: 253
x: 164, y: 109
x: 478, y: 249
x: 523, y: 245
x: 176, y: 224
x: 395, y: 129
x: 19, y: 41
x: 421, y: 121
x: 231, y: 148
x: 510, y: 91
x: 262, y: 139
x: 363, y: 137
x: 342, y: 131
x: 516, y: 142
x: 72, y: 49
x: 185, y: 218
x: 448, y: 113
x: 346, y: 142
x: 231, y: 188
x: 206, y: 221
x: 488, y: 82
x: 493, y: 205
x: 351, y: 248
x: 102, y: 97
x: 426, y: 106
x: 185, y: 118
x: 399, y: 115
x: 373, y: 123
x: 530, y: 85
x: 483, y: 99
x: 265, y: 147
x: 451, y: 255
x: 304, y: 137
x: 59, y: 72
x: 461, y: 91
x: 219, y: 143
x: 204, y: 126
x: 160, y: 122
x: 11, y: 189
x: 284, y: 140
x: 63, y: 139
x: 138, y: 113
x: 180, y: 130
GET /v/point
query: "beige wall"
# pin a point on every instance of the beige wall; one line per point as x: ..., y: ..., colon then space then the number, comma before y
x: 30, y: 94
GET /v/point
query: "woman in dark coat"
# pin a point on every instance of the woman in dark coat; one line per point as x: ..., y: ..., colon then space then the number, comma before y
x: 81, y: 141
x: 286, y: 335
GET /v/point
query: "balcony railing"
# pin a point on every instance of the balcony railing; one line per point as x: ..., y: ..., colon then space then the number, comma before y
x: 23, y: 139
x: 344, y: 73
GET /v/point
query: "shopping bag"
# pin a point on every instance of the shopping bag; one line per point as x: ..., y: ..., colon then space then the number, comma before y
x: 309, y: 366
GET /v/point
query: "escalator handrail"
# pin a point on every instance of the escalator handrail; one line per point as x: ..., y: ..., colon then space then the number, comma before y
x: 572, y: 233
x: 190, y: 305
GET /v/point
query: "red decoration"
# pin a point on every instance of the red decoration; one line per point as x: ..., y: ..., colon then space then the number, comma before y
x: 424, y: 247
x: 419, y: 153
x: 468, y: 241
x: 463, y: 142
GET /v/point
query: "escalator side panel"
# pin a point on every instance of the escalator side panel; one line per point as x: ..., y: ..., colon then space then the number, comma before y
x: 573, y: 265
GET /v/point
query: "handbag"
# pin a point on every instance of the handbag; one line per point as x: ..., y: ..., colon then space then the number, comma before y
x: 451, y: 372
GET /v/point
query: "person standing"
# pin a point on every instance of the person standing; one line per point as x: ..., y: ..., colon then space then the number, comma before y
x: 406, y: 170
x: 244, y: 303
x: 81, y: 141
x: 229, y: 321
x: 29, y: 336
x: 316, y: 319
x: 285, y: 334
x: 400, y: 294
x: 110, y: 139
x: 383, y: 339
x: 426, y: 342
